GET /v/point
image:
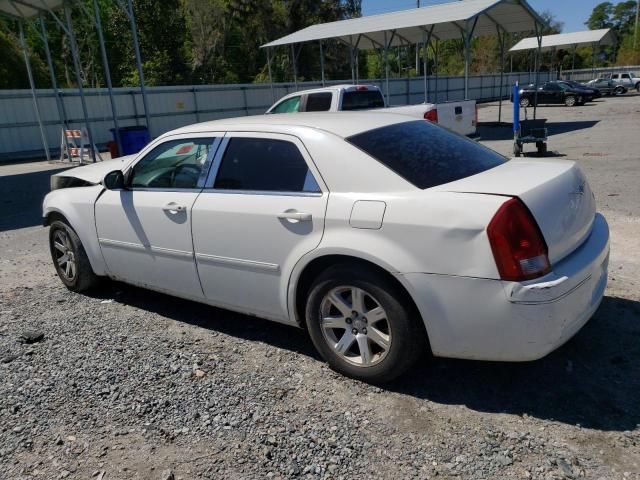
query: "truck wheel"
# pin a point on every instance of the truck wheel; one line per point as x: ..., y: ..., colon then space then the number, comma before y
x: 570, y: 101
x: 619, y: 90
x: 638, y: 87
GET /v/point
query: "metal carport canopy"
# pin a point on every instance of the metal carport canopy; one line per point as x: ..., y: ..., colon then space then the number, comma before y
x: 28, y: 8
x: 566, y: 40
x: 448, y: 21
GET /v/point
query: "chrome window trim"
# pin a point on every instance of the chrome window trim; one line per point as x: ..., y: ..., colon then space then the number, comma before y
x: 270, y: 193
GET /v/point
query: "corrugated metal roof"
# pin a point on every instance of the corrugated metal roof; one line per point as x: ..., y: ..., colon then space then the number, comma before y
x: 447, y: 20
x: 587, y: 37
x: 27, y: 8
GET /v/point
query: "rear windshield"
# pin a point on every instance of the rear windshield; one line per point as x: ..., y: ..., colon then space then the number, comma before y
x: 426, y: 155
x: 362, y: 100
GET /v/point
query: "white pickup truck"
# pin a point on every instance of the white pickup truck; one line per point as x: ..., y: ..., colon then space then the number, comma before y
x: 460, y: 117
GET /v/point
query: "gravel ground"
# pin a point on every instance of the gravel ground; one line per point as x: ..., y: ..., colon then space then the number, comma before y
x: 130, y: 384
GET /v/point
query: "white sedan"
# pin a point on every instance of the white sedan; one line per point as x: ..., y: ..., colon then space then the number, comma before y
x: 382, y: 235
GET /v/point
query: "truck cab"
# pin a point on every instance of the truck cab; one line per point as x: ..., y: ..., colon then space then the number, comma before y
x: 458, y: 116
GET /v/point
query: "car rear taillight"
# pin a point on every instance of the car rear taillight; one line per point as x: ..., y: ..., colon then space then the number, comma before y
x: 518, y: 246
x: 432, y: 115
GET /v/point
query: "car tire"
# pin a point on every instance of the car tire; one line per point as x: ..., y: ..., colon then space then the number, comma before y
x: 70, y: 259
x: 525, y: 102
x: 570, y: 101
x: 638, y: 87
x: 619, y: 90
x: 375, y: 349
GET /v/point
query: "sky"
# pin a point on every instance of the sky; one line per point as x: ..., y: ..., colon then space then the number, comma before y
x: 573, y: 13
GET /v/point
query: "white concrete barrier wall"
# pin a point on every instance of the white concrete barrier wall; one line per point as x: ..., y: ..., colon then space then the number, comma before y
x: 173, y: 107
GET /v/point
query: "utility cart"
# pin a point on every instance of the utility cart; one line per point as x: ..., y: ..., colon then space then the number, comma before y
x: 527, y: 131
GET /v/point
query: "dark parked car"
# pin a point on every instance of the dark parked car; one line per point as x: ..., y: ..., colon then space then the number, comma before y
x: 551, y: 93
x: 607, y: 86
x: 589, y: 92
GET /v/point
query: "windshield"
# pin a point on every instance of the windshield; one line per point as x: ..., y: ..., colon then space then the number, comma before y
x: 424, y: 154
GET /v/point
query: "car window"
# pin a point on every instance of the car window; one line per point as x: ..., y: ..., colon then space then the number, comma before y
x: 173, y: 164
x: 424, y: 154
x: 264, y: 164
x: 318, y: 102
x: 553, y: 86
x: 290, y: 105
x: 362, y: 100
x: 626, y: 75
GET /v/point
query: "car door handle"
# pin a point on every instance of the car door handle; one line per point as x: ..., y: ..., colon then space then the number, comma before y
x: 295, y: 216
x: 174, y: 207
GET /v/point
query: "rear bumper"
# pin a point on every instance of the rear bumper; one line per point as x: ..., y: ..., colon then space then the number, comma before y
x: 485, y: 319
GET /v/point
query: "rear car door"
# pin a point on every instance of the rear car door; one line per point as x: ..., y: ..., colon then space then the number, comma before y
x: 145, y: 230
x: 262, y: 209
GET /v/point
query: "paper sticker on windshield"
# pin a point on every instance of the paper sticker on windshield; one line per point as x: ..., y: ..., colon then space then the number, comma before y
x: 184, y: 150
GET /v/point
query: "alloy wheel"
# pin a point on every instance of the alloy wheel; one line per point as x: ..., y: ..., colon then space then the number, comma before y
x: 355, y: 326
x: 64, y: 255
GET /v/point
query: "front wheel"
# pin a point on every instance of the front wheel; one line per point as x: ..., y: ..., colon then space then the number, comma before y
x: 570, y: 101
x: 525, y: 102
x: 360, y: 324
x: 69, y: 258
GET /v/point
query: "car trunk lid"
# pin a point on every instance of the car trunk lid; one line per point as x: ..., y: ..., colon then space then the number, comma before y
x: 555, y: 191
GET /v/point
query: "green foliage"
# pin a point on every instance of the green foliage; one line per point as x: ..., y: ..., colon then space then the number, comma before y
x: 218, y: 41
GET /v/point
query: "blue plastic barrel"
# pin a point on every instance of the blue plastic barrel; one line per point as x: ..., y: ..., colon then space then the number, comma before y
x: 132, y: 139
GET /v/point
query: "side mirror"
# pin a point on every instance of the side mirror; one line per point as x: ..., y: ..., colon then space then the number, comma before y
x: 114, y: 180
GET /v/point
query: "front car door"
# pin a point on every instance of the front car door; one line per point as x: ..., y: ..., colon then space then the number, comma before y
x: 145, y: 230
x: 263, y: 208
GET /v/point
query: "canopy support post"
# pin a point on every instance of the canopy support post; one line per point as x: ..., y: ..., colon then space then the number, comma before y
x: 436, y: 67
x: 34, y: 96
x: 62, y: 113
x: 468, y: 34
x: 136, y: 46
x: 426, y: 40
x: 386, y: 65
x: 537, y: 56
x: 501, y: 40
x: 295, y: 68
x: 322, y: 63
x: 107, y: 75
x: 351, y: 62
x: 273, y: 93
x: 593, y: 63
x: 573, y: 61
x: 76, y: 64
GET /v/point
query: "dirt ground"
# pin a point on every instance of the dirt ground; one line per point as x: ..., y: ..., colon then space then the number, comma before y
x: 112, y: 391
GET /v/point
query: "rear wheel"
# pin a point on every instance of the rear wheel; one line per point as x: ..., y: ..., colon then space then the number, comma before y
x: 619, y: 90
x: 69, y: 258
x: 570, y: 101
x: 542, y: 148
x: 524, y: 102
x: 517, y: 149
x: 360, y: 323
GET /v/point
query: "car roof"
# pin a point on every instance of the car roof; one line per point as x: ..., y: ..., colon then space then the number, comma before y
x: 342, y: 124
